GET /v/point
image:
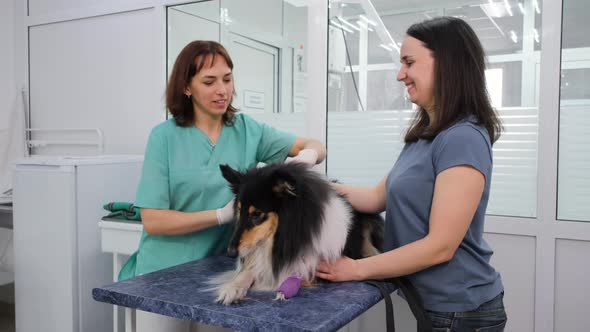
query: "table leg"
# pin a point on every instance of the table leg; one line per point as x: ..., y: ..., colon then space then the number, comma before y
x: 116, y: 268
x: 118, y: 261
x: 129, y: 322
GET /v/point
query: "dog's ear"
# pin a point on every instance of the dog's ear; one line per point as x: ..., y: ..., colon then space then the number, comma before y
x: 231, y: 175
x: 285, y: 184
x: 283, y: 187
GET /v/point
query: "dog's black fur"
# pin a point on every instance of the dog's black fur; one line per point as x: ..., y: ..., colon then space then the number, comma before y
x: 288, y: 218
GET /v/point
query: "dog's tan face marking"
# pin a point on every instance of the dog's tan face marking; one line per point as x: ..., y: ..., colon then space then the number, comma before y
x: 259, y: 233
x: 239, y: 207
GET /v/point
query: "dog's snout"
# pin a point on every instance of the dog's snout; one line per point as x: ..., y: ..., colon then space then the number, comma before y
x: 232, y: 252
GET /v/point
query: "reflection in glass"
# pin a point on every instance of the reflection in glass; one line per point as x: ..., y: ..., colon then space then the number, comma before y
x: 268, y: 49
x: 573, y: 190
x: 510, y: 33
x: 193, y: 21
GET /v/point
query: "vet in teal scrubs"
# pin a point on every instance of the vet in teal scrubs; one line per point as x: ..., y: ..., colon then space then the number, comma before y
x: 181, y: 172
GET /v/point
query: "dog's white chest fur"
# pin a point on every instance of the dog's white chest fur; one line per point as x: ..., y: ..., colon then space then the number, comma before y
x: 337, y: 218
x: 327, y: 245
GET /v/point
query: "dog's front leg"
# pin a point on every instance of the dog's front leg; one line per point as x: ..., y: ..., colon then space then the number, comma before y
x: 236, y: 289
x: 289, y: 288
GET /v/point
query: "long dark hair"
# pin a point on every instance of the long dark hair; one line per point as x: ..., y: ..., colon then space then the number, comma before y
x: 189, y: 62
x: 459, y: 83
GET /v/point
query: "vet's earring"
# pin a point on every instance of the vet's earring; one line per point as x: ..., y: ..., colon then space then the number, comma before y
x: 188, y: 96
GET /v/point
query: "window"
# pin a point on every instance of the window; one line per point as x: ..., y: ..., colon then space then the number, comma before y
x: 573, y: 190
x: 372, y: 111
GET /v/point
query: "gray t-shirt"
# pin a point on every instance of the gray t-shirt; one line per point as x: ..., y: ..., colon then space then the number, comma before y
x: 467, y: 280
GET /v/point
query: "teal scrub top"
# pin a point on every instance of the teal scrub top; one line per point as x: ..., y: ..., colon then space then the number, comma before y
x: 181, y: 172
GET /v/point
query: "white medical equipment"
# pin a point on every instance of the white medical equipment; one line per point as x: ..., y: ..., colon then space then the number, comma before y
x: 58, y: 257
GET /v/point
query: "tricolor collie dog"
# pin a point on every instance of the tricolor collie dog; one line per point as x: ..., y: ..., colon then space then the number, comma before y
x: 288, y: 219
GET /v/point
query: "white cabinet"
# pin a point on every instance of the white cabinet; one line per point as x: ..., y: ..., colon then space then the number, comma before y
x: 58, y: 256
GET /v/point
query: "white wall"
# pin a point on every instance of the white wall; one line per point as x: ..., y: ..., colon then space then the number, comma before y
x: 8, y: 90
x: 98, y: 72
x: 571, y: 283
x: 7, y: 35
x: 8, y: 95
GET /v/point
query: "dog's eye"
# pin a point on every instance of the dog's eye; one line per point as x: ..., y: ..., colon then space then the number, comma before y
x: 257, y: 218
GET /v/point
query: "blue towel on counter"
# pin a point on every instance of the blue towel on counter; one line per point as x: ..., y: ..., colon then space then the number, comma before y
x: 122, y: 210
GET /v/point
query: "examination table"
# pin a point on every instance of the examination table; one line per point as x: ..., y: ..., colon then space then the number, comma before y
x: 180, y: 292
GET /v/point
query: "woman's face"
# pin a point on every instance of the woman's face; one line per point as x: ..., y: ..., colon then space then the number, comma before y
x: 212, y: 87
x: 417, y: 72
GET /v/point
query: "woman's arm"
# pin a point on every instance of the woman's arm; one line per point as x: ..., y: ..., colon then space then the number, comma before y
x: 170, y: 222
x: 302, y: 143
x: 364, y: 199
x: 457, y: 193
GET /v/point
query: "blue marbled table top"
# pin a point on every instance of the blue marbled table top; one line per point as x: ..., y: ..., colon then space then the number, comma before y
x: 180, y: 292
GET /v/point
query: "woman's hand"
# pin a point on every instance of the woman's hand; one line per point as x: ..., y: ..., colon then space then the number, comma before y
x: 364, y: 199
x: 343, y: 269
x: 300, y: 151
x: 306, y: 156
x: 225, y: 214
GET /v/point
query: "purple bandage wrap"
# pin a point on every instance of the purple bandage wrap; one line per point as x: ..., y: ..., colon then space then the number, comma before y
x: 290, y: 287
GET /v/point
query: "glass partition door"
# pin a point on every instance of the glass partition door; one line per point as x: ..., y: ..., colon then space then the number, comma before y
x: 268, y: 49
x: 369, y: 111
x: 574, y: 115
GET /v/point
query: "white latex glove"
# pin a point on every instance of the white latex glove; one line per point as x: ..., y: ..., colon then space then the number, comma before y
x: 225, y: 214
x: 306, y: 156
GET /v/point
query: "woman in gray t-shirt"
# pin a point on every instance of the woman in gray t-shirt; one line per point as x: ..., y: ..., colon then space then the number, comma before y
x: 436, y: 194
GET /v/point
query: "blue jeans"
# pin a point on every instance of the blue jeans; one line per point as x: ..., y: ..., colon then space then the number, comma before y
x: 488, y: 317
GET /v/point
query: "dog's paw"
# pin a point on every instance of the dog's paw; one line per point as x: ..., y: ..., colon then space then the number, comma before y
x: 280, y: 297
x: 231, y: 294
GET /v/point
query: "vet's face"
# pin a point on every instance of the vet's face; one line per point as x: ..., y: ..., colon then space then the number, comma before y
x: 253, y: 228
x: 212, y: 87
x: 417, y: 72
